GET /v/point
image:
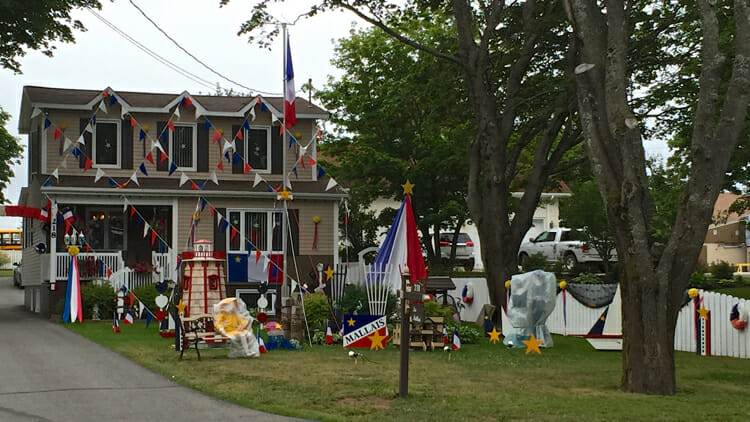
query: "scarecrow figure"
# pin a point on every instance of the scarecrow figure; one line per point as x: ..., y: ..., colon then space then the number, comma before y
x: 231, y: 319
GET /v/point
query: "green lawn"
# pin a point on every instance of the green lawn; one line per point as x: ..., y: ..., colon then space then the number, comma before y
x: 741, y: 292
x: 6, y: 272
x: 481, y: 382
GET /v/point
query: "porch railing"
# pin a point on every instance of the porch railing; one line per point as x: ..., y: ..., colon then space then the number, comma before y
x: 91, y: 265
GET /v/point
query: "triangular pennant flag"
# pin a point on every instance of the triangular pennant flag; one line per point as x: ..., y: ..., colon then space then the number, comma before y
x: 224, y: 226
x: 172, y: 168
x: 47, y: 123
x: 157, y: 145
x: 292, y: 140
x: 47, y: 183
x: 153, y: 237
x: 132, y: 121
x: 170, y: 125
x: 257, y: 180
x: 227, y: 146
x: 208, y: 125
x: 105, y: 93
x: 220, y: 166
x: 89, y: 128
x: 125, y: 206
x: 142, y: 135
x: 217, y: 136
x: 93, y: 120
x: 233, y: 233
x: 142, y: 168
x: 37, y: 111
x: 81, y: 140
x: 68, y: 143
x: 331, y: 184
x: 311, y: 161
x: 150, y: 157
x: 132, y: 211
x: 236, y: 158
x: 177, y: 111
x: 212, y: 210
x: 87, y: 164
x: 252, y: 113
x: 183, y: 179
x: 57, y: 133
x: 257, y: 255
x: 294, y: 285
x: 294, y: 170
x: 134, y: 178
x: 112, y: 181
x: 76, y: 152
x: 321, y: 173
x: 302, y: 150
x: 239, y: 134
x: 162, y: 158
x: 193, y: 186
x: 112, y: 100
x: 213, y: 178
x: 226, y: 155
x: 146, y: 228
x: 56, y: 175
x: 202, y: 185
x: 203, y: 204
x: 102, y: 107
x: 247, y: 168
x: 186, y: 102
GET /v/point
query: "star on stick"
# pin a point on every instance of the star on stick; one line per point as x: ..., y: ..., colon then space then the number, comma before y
x: 532, y: 345
x: 285, y: 194
x: 181, y: 307
x: 408, y: 188
x: 494, y: 335
x: 329, y: 273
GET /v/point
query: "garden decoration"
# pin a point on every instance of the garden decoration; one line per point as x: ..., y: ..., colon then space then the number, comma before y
x: 532, y: 345
x: 73, y: 307
x: 316, y: 221
x: 702, y: 324
x: 276, y: 338
x: 231, y: 319
x: 467, y: 294
x: 365, y: 331
x: 739, y: 315
x: 532, y: 299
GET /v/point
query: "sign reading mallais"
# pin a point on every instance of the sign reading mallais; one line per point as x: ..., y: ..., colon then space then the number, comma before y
x: 365, y: 331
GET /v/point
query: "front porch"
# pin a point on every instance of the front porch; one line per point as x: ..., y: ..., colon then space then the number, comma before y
x: 111, y: 265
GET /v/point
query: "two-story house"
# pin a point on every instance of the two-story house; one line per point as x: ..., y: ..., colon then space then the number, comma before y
x: 141, y: 175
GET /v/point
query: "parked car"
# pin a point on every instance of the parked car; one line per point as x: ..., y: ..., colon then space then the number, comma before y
x: 561, y: 243
x: 17, y: 275
x: 464, y: 250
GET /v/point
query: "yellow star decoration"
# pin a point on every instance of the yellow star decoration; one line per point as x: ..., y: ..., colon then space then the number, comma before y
x: 703, y: 312
x: 285, y: 194
x: 237, y: 259
x: 408, y: 188
x: 532, y: 345
x: 350, y: 322
x: 329, y: 273
x: 376, y: 341
x: 494, y: 335
x: 181, y: 307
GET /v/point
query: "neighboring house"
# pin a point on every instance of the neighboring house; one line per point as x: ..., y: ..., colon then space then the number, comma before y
x: 726, y: 237
x: 89, y: 152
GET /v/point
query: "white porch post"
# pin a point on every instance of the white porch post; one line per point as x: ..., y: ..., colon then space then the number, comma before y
x: 173, y: 248
x: 53, y: 246
x: 336, y: 234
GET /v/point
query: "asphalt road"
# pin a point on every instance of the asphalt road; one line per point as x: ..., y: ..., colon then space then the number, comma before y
x: 48, y: 373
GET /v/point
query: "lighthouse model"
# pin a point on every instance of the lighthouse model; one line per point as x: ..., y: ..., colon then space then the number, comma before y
x: 203, y: 278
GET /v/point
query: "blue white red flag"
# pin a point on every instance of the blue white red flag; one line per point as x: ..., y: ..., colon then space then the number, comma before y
x: 401, y: 247
x: 261, y: 345
x: 365, y: 331
x: 290, y: 114
x: 73, y: 309
x: 115, y: 325
x: 128, y: 318
x: 456, y: 340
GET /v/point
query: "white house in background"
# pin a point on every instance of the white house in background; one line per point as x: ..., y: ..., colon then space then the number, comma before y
x: 726, y: 241
x: 546, y: 215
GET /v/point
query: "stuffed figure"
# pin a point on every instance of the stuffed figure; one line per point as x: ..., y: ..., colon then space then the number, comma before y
x: 231, y: 319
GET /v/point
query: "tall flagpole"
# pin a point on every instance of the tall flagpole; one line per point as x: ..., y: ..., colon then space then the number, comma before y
x: 285, y: 290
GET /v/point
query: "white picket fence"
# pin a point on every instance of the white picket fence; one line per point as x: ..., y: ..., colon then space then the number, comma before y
x: 131, y: 279
x: 572, y: 318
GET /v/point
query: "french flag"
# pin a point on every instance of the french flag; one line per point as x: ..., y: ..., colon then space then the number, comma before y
x: 329, y: 335
x: 290, y: 114
x: 115, y: 325
x: 129, y: 318
x: 73, y: 309
x: 261, y: 345
x: 456, y: 340
x: 401, y: 247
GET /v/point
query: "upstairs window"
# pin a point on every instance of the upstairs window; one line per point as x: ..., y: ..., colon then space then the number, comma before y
x: 106, y: 148
x: 183, y: 145
x: 257, y: 148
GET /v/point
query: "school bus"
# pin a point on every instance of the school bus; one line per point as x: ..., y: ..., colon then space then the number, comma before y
x: 10, y: 239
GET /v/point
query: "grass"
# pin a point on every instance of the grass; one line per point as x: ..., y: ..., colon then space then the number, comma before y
x: 6, y: 272
x: 741, y: 292
x: 481, y: 382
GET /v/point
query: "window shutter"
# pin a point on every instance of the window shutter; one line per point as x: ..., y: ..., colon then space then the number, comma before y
x: 202, y: 148
x: 293, y: 240
x: 277, y: 151
x: 164, y: 140
x: 126, y: 147
x: 220, y: 238
x: 239, y: 166
x: 88, y: 143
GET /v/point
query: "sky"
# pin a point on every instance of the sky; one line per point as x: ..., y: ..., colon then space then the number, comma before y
x: 102, y: 58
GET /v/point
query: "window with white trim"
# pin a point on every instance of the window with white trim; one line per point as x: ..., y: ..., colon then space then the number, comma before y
x: 258, y: 148
x: 257, y: 229
x: 106, y: 145
x: 183, y: 142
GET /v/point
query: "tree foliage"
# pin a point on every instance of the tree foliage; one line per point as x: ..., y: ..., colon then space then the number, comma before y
x: 10, y: 154
x: 36, y: 25
x: 585, y: 210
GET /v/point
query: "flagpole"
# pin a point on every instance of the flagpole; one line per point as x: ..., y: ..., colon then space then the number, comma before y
x: 285, y: 291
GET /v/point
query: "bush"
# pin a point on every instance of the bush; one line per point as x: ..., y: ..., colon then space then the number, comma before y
x: 721, y: 270
x: 536, y: 261
x: 102, y: 296
x: 354, y: 301
x: 432, y: 308
x: 701, y: 281
x: 319, y: 337
x: 468, y: 332
x: 728, y: 282
x: 587, y: 278
x: 317, y: 311
x: 147, y: 295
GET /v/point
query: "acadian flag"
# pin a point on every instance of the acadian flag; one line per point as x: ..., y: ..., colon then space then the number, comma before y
x: 115, y: 324
x: 401, y: 247
x: 290, y: 114
x: 456, y: 340
x: 329, y: 335
x: 73, y: 309
x: 365, y: 331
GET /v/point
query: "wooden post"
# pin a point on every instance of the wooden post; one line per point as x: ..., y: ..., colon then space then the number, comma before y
x: 403, y: 381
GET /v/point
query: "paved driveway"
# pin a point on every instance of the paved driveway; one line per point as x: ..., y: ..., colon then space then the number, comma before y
x: 48, y: 373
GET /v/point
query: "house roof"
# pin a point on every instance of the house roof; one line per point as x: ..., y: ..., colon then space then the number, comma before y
x: 207, y: 105
x: 721, y: 208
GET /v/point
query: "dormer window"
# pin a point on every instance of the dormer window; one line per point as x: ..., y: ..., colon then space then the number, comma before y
x: 106, y: 148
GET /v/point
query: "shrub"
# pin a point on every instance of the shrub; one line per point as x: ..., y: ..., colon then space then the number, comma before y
x: 4, y: 258
x: 535, y: 261
x: 728, y: 282
x: 701, y: 280
x: 147, y: 295
x: 317, y: 311
x: 468, y: 332
x: 102, y: 296
x: 354, y: 301
x: 319, y: 337
x: 432, y: 308
x: 586, y: 278
x: 721, y: 270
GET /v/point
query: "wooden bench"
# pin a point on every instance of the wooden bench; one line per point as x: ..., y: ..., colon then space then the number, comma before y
x: 199, y: 330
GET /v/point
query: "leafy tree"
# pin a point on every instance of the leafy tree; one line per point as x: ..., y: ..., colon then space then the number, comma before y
x: 654, y: 274
x: 400, y: 115
x: 585, y: 210
x: 10, y: 154
x: 514, y: 63
x: 35, y: 25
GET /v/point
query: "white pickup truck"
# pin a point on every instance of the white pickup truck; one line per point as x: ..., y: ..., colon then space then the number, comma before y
x: 560, y: 243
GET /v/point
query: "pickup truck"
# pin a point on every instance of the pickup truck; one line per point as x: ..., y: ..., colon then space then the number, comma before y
x: 561, y: 243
